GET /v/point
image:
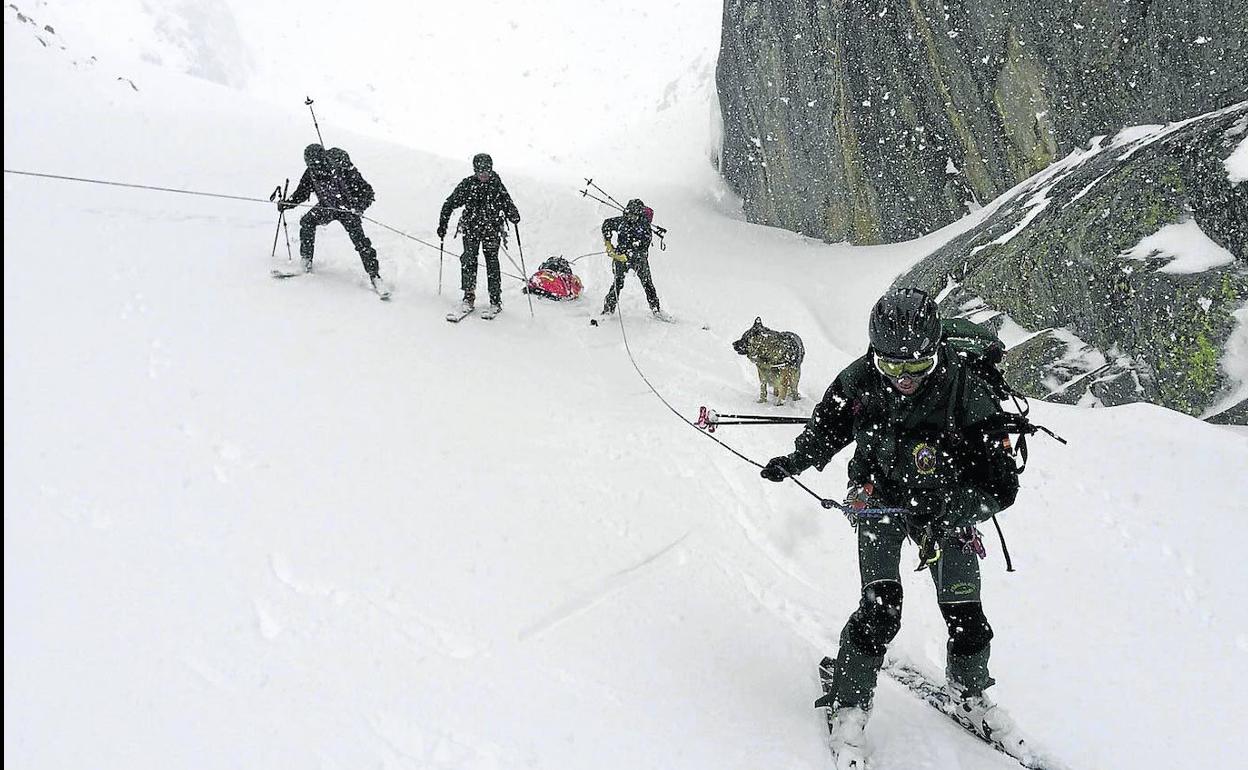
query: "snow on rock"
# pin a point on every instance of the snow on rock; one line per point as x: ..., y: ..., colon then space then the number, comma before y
x: 1185, y: 245
x: 1235, y: 363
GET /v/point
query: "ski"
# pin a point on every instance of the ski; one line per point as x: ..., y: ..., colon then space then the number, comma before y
x: 938, y: 697
x: 289, y: 268
x: 489, y: 314
x: 659, y: 316
x: 457, y: 315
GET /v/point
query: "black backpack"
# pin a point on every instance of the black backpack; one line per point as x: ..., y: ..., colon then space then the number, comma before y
x: 556, y: 265
x: 981, y: 351
x: 359, y: 193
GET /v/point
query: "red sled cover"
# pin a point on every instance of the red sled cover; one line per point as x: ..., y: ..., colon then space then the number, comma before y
x: 553, y: 283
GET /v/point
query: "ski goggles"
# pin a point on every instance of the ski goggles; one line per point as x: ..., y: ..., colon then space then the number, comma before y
x: 910, y: 367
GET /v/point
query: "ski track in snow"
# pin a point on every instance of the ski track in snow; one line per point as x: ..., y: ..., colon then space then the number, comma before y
x: 602, y: 590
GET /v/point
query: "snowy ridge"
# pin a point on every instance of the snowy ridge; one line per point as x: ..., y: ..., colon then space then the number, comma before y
x: 257, y: 523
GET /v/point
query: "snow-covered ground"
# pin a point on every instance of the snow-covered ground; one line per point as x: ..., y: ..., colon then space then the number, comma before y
x: 252, y: 523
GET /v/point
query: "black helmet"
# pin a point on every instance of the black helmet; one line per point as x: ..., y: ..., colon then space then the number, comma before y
x: 314, y: 155
x: 635, y: 207
x: 905, y: 324
x: 482, y: 162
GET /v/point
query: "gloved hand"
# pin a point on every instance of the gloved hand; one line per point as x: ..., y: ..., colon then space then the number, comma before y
x: 615, y: 253
x: 515, y: 219
x: 441, y: 232
x: 284, y: 205
x: 859, y: 496
x: 780, y: 468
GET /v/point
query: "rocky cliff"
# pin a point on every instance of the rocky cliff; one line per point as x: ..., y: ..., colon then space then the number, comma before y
x: 882, y: 120
x: 1120, y: 273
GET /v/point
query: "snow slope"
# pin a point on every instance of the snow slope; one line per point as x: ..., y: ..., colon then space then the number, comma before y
x: 252, y: 523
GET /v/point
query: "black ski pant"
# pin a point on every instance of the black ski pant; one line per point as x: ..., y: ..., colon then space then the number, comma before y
x: 639, y: 263
x: 468, y: 267
x: 878, y: 617
x: 318, y: 216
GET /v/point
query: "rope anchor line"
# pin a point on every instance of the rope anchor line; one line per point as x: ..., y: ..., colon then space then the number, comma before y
x: 827, y: 503
x: 247, y: 199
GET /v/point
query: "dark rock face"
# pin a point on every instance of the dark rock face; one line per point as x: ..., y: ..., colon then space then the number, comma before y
x: 1118, y: 321
x: 882, y: 120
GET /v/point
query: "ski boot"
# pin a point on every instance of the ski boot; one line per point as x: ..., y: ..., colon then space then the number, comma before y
x: 847, y: 726
x: 993, y: 723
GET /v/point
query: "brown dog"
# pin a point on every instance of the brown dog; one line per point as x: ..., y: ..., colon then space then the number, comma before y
x: 778, y: 356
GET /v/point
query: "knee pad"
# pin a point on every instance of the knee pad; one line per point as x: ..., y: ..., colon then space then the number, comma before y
x: 878, y: 617
x: 969, y: 631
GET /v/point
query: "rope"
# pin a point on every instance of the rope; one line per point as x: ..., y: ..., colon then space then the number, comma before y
x: 137, y: 186
x: 224, y: 196
x: 825, y: 502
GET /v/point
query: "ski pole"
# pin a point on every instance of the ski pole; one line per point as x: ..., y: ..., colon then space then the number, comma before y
x: 708, y: 419
x: 659, y: 231
x: 274, y: 196
x: 308, y: 101
x: 712, y: 426
x: 775, y: 421
x: 590, y: 183
x: 716, y: 416
x: 523, y: 269
x: 441, y: 252
x: 282, y: 214
x: 585, y: 194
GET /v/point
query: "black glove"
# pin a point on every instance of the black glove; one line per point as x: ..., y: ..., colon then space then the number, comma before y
x: 515, y: 218
x: 441, y: 232
x: 284, y: 205
x: 780, y: 468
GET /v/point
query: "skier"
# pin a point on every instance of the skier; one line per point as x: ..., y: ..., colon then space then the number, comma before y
x: 486, y: 204
x: 923, y: 422
x: 631, y: 250
x: 342, y: 195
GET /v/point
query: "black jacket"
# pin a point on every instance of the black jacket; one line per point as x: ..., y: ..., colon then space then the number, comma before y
x: 933, y: 452
x: 485, y: 204
x: 634, y: 234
